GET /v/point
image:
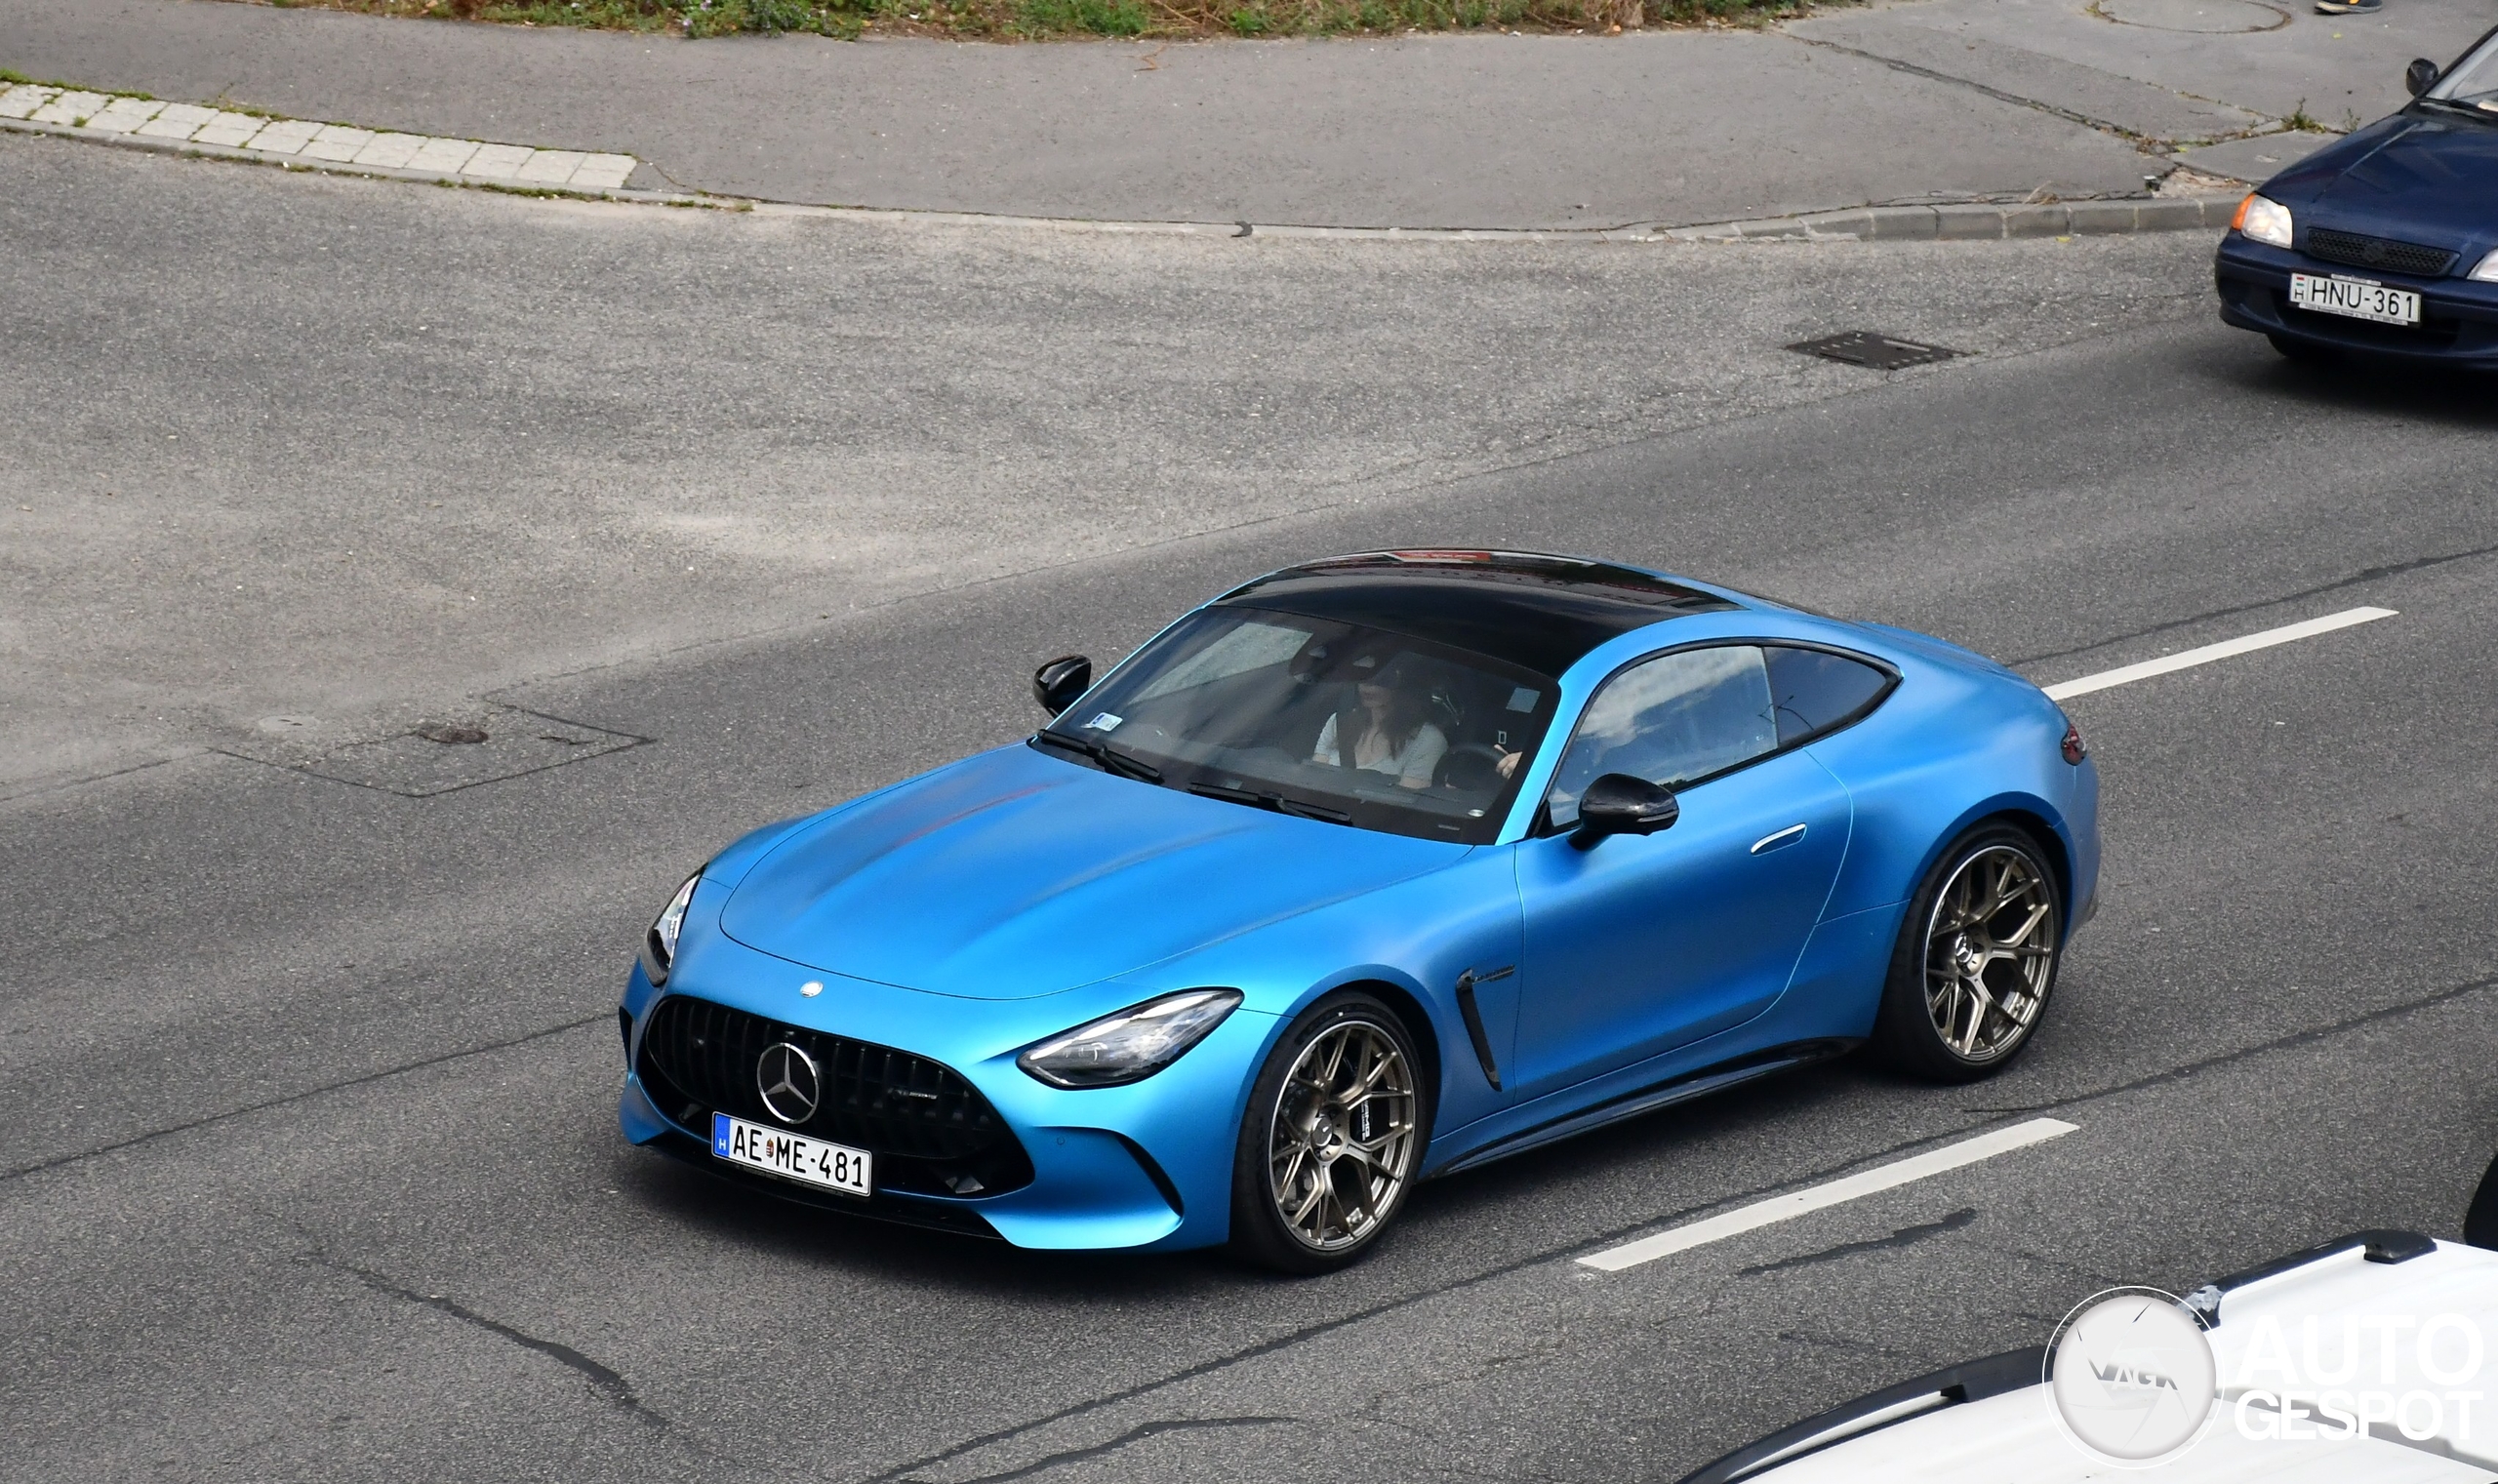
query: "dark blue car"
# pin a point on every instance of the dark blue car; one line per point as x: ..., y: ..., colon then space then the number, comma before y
x: 2386, y: 241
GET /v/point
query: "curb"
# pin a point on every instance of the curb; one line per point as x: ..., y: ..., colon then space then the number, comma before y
x: 1978, y: 222
x: 1948, y: 222
x: 120, y: 140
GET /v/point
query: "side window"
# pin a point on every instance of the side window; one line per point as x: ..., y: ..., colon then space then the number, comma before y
x: 1670, y: 720
x: 1815, y: 691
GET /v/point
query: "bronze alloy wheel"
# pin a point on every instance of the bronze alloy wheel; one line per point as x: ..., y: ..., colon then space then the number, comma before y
x: 1976, y: 959
x: 1341, y: 1147
x: 1990, y: 951
x: 1335, y: 1129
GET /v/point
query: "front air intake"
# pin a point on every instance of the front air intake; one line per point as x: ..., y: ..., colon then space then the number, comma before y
x: 931, y: 1131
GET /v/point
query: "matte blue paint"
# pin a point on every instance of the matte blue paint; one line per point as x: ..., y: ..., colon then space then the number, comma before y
x: 969, y: 912
x: 1629, y: 951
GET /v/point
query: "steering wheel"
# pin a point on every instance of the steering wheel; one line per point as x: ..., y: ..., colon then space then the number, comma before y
x: 1474, y: 768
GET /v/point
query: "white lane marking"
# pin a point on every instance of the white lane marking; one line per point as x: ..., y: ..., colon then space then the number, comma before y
x: 1781, y: 1208
x: 2189, y: 659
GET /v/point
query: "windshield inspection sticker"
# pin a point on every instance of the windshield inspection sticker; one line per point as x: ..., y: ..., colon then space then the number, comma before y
x: 1103, y: 721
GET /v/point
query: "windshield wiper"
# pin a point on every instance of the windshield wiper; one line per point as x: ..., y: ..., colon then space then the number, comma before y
x: 2480, y: 107
x: 1112, y: 759
x: 1269, y: 799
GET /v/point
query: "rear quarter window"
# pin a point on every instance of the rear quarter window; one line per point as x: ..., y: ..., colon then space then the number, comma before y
x: 1814, y: 691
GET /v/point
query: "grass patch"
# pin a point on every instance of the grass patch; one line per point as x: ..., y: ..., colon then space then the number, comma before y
x: 1012, y: 20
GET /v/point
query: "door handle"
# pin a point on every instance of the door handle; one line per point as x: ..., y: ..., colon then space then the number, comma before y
x: 1788, y: 836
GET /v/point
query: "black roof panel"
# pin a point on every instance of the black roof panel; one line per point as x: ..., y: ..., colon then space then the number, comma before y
x: 1541, y: 613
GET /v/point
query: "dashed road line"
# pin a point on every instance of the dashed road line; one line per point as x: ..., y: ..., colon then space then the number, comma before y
x: 2189, y: 659
x: 1796, y: 1203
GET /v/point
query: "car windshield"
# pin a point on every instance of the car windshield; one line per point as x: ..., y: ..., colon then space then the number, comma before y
x: 2473, y: 81
x: 1319, y: 718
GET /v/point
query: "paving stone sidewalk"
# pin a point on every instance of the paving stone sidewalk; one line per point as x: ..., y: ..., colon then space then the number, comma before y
x: 2011, y: 102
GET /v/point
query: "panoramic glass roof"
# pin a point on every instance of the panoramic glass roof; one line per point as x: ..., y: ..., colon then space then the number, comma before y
x: 1539, y: 613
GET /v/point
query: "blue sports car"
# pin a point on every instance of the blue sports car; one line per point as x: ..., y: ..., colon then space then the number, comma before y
x: 2387, y: 240
x: 1368, y: 870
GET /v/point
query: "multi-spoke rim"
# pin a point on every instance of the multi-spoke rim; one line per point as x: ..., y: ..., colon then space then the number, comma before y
x: 1342, y: 1144
x: 1990, y: 951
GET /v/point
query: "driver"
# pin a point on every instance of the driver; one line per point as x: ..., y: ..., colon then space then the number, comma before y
x: 1389, y: 726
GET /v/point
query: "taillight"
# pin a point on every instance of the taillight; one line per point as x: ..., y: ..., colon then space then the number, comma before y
x: 2075, y: 748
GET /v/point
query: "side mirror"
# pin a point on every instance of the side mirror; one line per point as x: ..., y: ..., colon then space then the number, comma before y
x: 2420, y: 76
x: 1057, y: 684
x: 1619, y: 804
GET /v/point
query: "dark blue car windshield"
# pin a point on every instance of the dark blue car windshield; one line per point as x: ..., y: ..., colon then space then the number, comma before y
x: 1320, y: 718
x: 2473, y: 81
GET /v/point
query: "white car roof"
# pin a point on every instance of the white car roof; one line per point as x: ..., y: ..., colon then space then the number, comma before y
x: 2012, y: 1438
x: 1990, y: 1422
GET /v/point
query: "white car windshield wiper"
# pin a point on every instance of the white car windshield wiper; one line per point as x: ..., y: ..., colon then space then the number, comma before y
x: 1269, y: 799
x: 1112, y: 759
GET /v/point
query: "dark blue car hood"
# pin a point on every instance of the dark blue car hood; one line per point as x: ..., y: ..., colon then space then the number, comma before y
x: 2416, y: 177
x: 1015, y: 873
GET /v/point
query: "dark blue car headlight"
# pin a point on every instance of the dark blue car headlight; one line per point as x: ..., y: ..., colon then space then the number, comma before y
x: 659, y: 944
x: 2486, y: 271
x: 2264, y: 219
x: 1131, y: 1045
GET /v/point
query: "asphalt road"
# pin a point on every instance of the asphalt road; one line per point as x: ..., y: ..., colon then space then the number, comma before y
x: 294, y: 461
x: 315, y: 1176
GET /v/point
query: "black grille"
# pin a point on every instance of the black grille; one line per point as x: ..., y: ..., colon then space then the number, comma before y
x: 2361, y: 252
x: 930, y: 1130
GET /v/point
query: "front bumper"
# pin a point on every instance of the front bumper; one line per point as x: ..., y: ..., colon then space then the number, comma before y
x: 2458, y: 318
x: 1144, y: 1166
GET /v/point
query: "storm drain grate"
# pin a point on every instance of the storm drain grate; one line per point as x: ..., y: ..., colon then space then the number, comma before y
x: 1881, y: 352
x: 494, y: 743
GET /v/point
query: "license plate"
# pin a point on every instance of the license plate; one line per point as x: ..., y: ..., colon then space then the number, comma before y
x: 2355, y: 299
x: 792, y: 1157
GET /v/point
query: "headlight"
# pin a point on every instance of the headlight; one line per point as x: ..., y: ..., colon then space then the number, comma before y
x: 1131, y: 1045
x: 659, y: 944
x: 2265, y: 219
x: 2487, y: 272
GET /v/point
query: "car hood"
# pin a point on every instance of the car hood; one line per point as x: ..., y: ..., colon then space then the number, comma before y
x: 1015, y: 873
x: 2416, y: 177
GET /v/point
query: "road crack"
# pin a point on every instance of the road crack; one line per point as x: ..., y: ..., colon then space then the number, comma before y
x: 604, y: 1379
x: 1135, y: 1434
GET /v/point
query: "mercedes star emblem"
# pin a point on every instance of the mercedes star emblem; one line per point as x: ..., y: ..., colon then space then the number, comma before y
x: 788, y: 1081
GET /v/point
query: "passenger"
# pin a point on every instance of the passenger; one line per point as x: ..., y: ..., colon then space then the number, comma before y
x: 1390, y: 732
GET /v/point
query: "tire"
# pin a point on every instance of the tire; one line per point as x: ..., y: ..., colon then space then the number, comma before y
x: 1966, y: 993
x: 1316, y: 1179
x: 2301, y: 352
